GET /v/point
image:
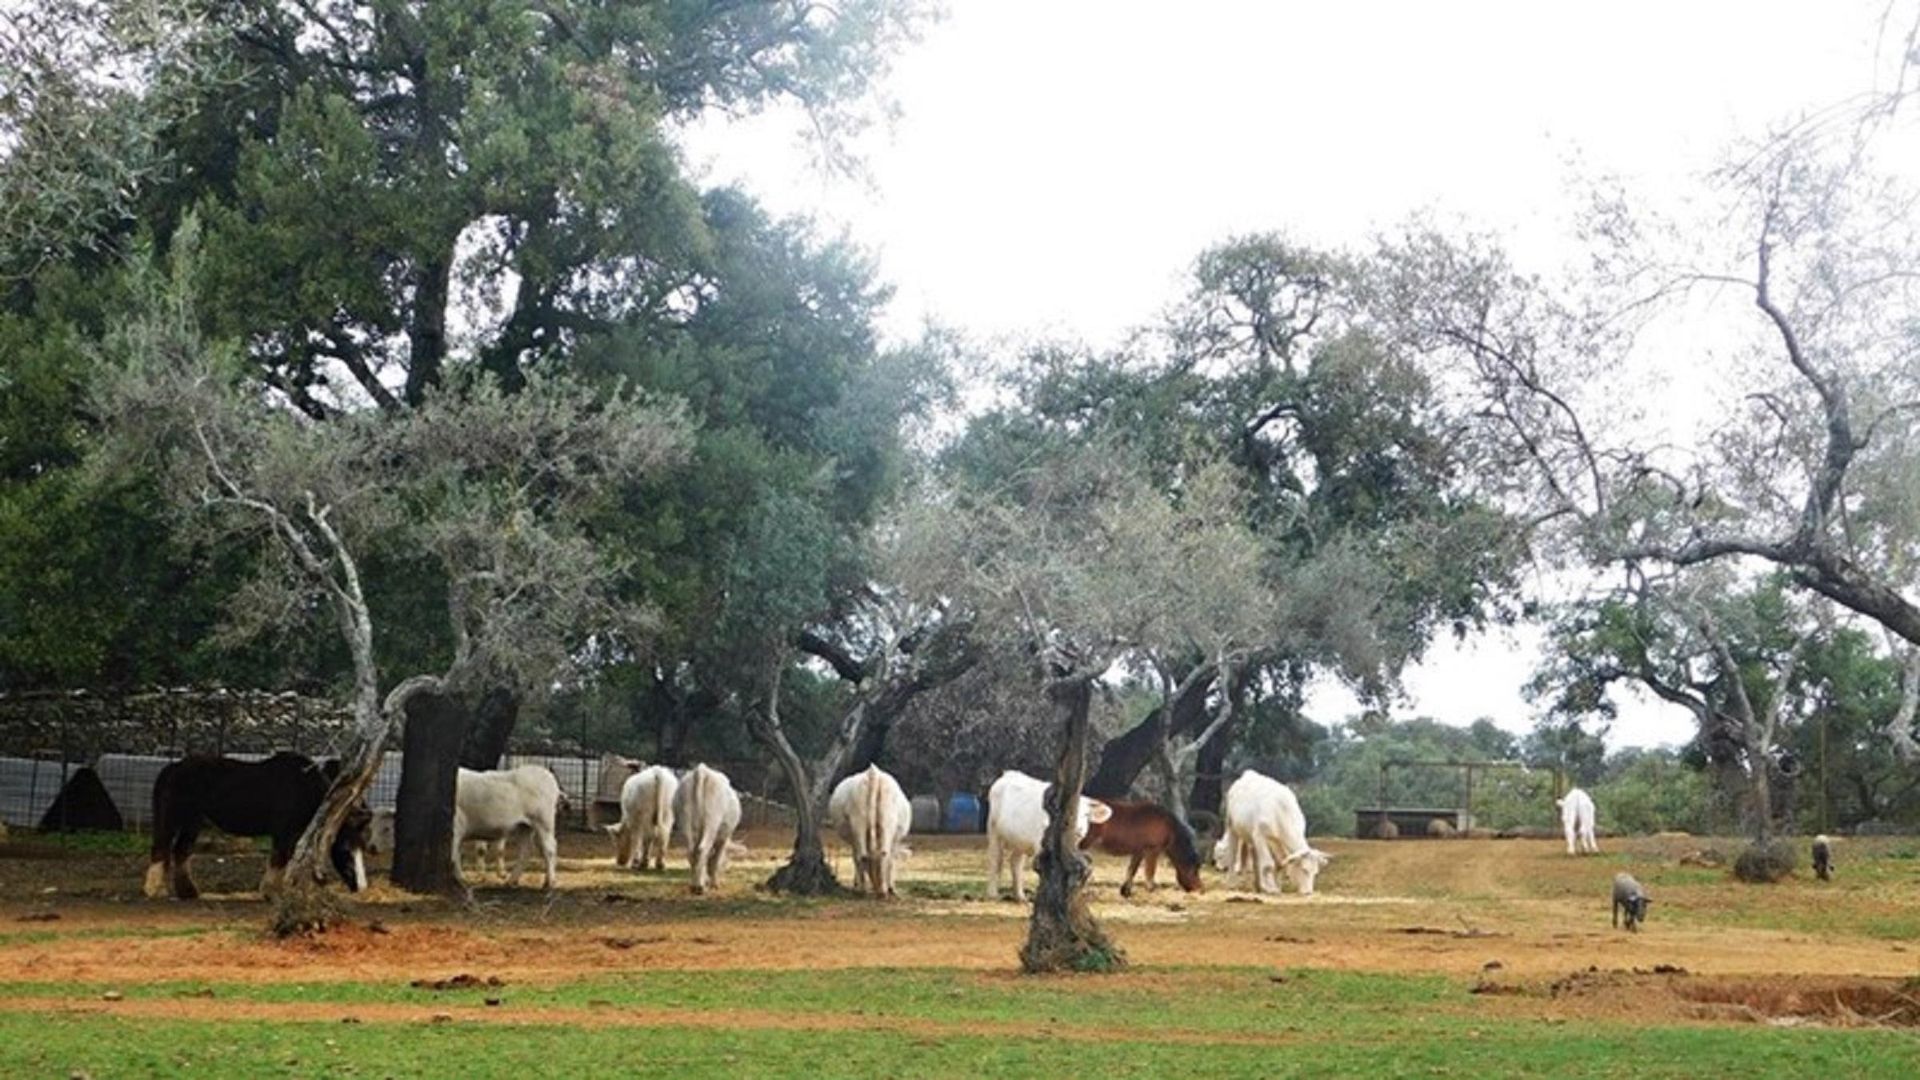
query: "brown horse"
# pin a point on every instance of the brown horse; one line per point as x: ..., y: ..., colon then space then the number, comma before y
x: 276, y: 797
x: 1146, y: 831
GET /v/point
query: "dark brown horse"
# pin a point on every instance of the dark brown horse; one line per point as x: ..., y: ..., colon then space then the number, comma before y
x: 1146, y: 831
x: 276, y: 797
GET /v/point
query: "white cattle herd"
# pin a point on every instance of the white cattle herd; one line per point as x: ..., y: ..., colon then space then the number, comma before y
x: 1262, y: 828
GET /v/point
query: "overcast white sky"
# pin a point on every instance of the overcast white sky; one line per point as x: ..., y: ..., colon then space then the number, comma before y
x: 1057, y: 165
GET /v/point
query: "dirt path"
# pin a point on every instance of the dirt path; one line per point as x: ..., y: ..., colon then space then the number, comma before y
x: 1436, y: 907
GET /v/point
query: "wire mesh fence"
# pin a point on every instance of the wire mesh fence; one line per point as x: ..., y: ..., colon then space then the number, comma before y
x: 77, y: 761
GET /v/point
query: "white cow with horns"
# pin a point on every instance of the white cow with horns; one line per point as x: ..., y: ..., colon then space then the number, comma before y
x: 1263, y: 818
x: 1017, y: 823
x: 503, y: 803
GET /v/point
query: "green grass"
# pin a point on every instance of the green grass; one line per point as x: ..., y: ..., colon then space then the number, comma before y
x: 1197, y: 1000
x: 1330, y: 1024
x: 58, y: 1045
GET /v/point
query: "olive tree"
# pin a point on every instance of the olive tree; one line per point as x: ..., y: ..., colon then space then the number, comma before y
x: 1071, y: 561
x: 485, y: 490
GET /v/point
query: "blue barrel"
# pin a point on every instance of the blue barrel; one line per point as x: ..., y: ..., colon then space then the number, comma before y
x: 963, y: 813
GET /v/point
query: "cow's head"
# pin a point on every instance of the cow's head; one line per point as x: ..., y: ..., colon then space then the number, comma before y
x: 1303, y: 866
x: 1223, y: 852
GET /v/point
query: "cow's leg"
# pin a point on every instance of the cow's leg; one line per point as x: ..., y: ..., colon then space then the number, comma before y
x: 994, y: 863
x: 1265, y: 874
x: 1020, y: 877
x: 697, y: 863
x: 717, y: 858
x: 519, y: 837
x: 1153, y: 867
x: 549, y: 853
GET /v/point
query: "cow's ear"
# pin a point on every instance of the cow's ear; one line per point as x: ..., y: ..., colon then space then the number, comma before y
x: 1097, y: 811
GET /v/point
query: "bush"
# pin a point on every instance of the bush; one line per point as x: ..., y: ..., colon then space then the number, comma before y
x: 1763, y: 864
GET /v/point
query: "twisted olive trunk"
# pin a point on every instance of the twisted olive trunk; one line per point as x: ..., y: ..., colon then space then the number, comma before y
x: 1062, y: 935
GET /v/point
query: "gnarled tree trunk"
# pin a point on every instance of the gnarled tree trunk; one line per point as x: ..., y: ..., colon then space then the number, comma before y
x: 807, y: 872
x: 1062, y: 935
x: 490, y: 730
x: 1128, y: 753
x: 423, y: 853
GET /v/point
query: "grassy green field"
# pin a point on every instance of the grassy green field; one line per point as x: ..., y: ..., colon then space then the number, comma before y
x: 1475, y: 959
x: 1209, y: 1022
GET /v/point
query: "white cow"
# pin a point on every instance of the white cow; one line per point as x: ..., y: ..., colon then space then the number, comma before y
x: 495, y: 805
x: 1017, y: 823
x: 1263, y: 817
x: 380, y: 839
x: 709, y: 809
x: 1576, y: 818
x: 646, y: 817
x: 873, y: 816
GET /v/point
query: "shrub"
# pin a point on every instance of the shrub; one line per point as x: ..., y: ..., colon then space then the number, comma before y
x: 1766, y: 863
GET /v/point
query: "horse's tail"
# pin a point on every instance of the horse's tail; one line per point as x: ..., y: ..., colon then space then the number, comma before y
x: 1186, y: 847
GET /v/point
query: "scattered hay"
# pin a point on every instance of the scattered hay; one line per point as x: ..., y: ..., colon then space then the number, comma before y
x: 1707, y: 857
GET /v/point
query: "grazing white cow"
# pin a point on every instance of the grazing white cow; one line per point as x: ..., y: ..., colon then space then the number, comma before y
x: 1263, y: 817
x: 646, y: 817
x: 1576, y: 817
x: 380, y: 839
x: 710, y: 810
x: 495, y: 805
x: 1017, y: 823
x: 873, y: 816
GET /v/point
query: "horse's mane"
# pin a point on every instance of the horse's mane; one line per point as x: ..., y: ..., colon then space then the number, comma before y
x: 1186, y: 847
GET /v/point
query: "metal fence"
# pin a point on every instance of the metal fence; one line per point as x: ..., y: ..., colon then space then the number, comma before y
x: 78, y: 761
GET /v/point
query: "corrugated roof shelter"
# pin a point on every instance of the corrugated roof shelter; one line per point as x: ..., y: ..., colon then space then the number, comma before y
x: 28, y: 787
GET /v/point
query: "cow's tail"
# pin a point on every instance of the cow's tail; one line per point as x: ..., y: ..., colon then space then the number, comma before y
x: 698, y: 826
x: 875, y: 791
x: 662, y: 810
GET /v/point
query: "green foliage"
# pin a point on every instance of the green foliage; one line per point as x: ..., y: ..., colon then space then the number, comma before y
x: 1347, y: 774
x: 1649, y: 791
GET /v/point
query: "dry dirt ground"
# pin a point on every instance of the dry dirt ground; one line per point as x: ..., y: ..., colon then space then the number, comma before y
x: 1510, y: 915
